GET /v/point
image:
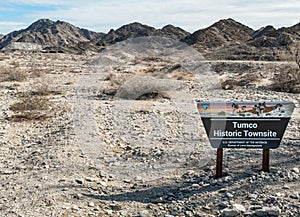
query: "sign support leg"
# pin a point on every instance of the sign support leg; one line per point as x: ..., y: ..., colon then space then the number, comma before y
x: 219, y: 163
x: 266, y: 160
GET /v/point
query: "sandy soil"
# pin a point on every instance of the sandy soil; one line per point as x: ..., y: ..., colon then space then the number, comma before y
x: 106, y: 144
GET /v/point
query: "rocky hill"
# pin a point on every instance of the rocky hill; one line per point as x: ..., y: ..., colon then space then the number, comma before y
x: 127, y: 31
x: 59, y: 36
x: 225, y: 39
x: 271, y: 37
x: 224, y: 32
x: 133, y: 30
x: 263, y: 31
x: 267, y: 44
x: 53, y: 35
x: 173, y: 32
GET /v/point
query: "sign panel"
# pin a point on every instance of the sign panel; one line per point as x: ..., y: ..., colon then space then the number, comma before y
x: 245, y: 124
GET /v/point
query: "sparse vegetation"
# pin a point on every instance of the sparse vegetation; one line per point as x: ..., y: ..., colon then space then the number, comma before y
x: 289, y: 80
x: 30, y: 108
x: 184, y: 76
x: 115, y: 79
x: 12, y: 74
x: 153, y: 96
x: 232, y: 81
x: 36, y: 73
x: 2, y: 58
x: 43, y: 89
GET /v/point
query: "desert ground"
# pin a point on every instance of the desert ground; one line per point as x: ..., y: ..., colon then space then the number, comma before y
x: 118, y: 134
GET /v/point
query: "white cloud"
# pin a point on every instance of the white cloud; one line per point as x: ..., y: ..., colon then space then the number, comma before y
x: 5, y: 26
x: 38, y: 2
x: 189, y: 13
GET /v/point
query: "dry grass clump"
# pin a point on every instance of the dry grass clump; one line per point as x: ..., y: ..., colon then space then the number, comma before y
x: 31, y: 108
x: 2, y: 58
x: 184, y: 76
x: 233, y: 81
x: 287, y: 80
x: 37, y: 73
x: 9, y: 74
x: 43, y: 89
x: 34, y: 105
x: 114, y: 81
x: 114, y: 78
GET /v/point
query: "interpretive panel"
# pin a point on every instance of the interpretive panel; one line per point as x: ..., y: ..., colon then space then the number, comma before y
x: 245, y: 124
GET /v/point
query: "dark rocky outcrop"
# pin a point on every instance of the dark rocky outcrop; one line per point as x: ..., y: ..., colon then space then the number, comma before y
x: 134, y: 30
x: 225, y: 39
x: 263, y: 31
x: 173, y: 32
x: 222, y: 33
x: 51, y: 34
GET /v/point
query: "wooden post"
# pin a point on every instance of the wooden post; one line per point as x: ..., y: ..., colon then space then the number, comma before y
x: 219, y: 163
x: 266, y: 160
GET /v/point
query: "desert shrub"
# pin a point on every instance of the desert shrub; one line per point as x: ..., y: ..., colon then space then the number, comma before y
x: 2, y: 58
x: 287, y: 80
x: 230, y: 82
x: 42, y: 88
x: 30, y: 108
x: 139, y: 86
x: 184, y: 76
x: 12, y: 74
x: 37, y: 73
x: 153, y: 96
x: 14, y: 64
x: 113, y: 78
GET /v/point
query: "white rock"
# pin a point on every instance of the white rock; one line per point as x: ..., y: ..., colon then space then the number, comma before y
x: 91, y: 204
x: 124, y: 213
x: 229, y: 195
x: 144, y: 213
x: 295, y: 170
x: 104, y: 184
x: 75, y: 208
x: 230, y: 212
x: 108, y: 211
x: 239, y: 207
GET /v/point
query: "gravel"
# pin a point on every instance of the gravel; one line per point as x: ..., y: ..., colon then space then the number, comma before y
x: 47, y: 170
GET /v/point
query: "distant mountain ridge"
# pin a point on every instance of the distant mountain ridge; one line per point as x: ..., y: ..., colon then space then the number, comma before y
x: 223, y: 32
x: 48, y: 33
x: 226, y: 38
x: 135, y: 29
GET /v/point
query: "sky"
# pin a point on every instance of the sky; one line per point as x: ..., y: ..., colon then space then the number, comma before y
x: 191, y: 15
